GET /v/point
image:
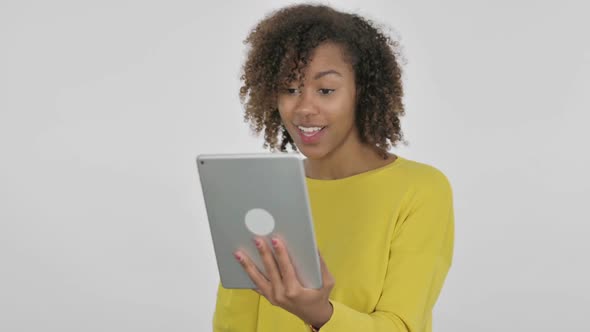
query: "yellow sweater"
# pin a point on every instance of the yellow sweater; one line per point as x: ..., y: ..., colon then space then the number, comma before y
x: 387, y: 238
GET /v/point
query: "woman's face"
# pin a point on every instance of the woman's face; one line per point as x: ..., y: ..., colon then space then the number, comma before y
x: 327, y: 101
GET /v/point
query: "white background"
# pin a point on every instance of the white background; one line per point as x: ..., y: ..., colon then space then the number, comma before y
x: 105, y: 104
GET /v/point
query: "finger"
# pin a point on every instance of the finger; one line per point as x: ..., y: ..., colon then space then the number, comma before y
x: 270, y: 265
x: 327, y: 278
x: 285, y: 264
x: 323, y: 266
x: 262, y: 284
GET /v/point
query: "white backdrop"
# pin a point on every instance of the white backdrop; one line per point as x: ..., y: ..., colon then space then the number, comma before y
x: 105, y: 104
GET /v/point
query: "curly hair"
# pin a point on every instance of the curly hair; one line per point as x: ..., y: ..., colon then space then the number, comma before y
x: 280, y: 47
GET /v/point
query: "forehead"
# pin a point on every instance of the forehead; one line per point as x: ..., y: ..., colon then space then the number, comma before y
x: 328, y: 55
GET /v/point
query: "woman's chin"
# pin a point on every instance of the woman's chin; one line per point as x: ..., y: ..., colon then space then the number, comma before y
x: 311, y: 152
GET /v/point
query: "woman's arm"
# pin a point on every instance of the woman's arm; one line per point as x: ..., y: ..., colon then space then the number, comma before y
x: 420, y: 257
x: 236, y: 310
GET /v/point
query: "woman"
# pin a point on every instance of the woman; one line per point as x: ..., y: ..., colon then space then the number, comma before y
x: 329, y: 84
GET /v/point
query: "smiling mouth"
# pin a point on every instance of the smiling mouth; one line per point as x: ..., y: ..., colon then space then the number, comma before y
x: 311, y: 137
x: 310, y: 133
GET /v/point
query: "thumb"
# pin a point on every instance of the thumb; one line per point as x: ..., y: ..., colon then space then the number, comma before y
x: 327, y: 278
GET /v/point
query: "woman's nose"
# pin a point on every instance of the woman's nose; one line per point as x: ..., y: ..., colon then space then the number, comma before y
x: 306, y: 105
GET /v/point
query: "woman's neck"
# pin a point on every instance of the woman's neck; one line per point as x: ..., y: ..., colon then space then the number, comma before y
x: 341, y: 165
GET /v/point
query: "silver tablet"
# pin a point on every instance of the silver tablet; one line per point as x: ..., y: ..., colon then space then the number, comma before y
x: 258, y: 194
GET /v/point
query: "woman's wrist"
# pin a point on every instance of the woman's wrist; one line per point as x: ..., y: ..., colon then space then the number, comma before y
x: 323, y: 317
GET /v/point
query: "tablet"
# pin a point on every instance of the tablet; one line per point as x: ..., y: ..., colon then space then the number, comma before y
x: 258, y: 194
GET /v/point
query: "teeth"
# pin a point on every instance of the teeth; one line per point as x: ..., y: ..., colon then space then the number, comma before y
x: 310, y: 130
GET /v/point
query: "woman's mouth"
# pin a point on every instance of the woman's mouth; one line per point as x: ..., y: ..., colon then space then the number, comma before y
x: 310, y: 135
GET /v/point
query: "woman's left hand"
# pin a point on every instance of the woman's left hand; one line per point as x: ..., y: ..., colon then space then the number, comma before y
x: 283, y: 288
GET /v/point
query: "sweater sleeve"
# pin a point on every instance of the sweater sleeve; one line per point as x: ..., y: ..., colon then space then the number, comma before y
x: 420, y: 256
x: 236, y: 310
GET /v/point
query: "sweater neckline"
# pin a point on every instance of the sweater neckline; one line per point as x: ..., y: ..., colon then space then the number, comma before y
x: 359, y: 176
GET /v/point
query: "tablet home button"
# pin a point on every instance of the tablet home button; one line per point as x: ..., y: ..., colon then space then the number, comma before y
x: 259, y: 222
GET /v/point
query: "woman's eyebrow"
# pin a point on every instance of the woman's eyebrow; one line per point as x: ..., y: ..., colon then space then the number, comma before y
x: 327, y: 72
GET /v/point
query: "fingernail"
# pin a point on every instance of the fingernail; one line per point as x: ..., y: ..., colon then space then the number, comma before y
x: 258, y: 243
x: 238, y: 256
x: 275, y: 242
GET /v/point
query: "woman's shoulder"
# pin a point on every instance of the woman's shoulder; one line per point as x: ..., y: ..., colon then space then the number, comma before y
x: 423, y: 175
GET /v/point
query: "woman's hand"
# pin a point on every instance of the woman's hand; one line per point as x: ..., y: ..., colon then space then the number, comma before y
x: 283, y: 288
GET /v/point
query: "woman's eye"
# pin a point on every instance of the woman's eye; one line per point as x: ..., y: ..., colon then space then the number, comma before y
x: 326, y: 91
x: 291, y: 91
